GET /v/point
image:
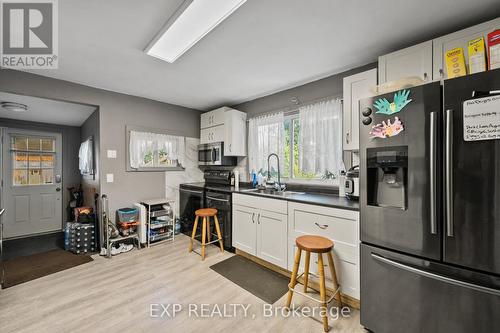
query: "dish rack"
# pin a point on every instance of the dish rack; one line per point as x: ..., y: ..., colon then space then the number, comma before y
x: 160, y: 221
x: 109, y: 240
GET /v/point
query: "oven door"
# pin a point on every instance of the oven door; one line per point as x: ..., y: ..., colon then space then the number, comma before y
x: 222, y: 202
x: 189, y: 201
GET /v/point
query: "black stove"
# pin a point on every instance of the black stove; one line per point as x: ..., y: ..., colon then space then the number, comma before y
x: 215, y: 192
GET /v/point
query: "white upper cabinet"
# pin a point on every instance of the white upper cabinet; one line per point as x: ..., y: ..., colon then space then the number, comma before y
x: 412, y: 61
x: 213, y: 118
x: 355, y: 87
x: 225, y: 125
x: 235, y: 128
x: 212, y: 134
x: 458, y: 39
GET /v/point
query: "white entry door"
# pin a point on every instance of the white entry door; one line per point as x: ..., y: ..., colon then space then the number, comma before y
x: 32, y: 183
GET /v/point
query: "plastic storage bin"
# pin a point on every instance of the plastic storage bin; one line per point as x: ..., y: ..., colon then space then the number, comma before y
x: 127, y: 215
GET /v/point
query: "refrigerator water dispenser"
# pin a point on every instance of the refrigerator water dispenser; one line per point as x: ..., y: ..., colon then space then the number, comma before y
x: 387, y: 179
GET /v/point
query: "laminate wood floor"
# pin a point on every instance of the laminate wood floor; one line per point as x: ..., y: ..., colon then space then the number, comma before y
x: 115, y: 295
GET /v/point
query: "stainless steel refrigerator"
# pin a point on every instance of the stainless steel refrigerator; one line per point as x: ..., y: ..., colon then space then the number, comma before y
x: 430, y: 207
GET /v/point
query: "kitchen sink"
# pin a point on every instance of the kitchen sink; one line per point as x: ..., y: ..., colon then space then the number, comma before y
x: 270, y: 192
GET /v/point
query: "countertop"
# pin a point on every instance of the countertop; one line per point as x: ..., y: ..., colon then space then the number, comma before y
x: 312, y: 198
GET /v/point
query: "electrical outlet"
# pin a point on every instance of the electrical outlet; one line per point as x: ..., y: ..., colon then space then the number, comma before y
x: 111, y: 153
x: 109, y: 177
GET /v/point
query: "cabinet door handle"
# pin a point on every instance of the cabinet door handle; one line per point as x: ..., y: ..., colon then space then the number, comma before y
x: 441, y: 73
x: 321, y: 226
x: 258, y: 218
x: 230, y: 147
x: 253, y: 216
x: 425, y: 76
x: 347, y: 137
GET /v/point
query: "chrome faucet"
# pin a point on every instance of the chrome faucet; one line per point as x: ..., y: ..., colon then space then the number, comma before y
x: 278, y: 187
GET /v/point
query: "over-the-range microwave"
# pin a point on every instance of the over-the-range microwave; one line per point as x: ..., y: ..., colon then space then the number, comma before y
x: 213, y: 154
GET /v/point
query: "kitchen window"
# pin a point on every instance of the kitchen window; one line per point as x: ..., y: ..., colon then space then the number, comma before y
x: 152, y: 151
x: 309, y: 142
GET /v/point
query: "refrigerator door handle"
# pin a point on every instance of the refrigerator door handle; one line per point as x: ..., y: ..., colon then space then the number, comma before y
x: 449, y: 172
x: 432, y: 173
x: 434, y: 276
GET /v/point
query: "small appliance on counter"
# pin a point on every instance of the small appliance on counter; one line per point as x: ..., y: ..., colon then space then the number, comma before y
x: 351, y: 184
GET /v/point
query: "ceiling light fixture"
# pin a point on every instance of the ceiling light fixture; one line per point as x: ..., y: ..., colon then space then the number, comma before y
x: 15, y: 107
x: 190, y: 23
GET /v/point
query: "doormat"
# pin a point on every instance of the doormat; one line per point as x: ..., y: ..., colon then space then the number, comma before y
x: 262, y: 282
x: 27, y: 268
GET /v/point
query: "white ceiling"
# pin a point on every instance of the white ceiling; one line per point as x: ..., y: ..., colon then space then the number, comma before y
x: 46, y: 110
x: 263, y: 47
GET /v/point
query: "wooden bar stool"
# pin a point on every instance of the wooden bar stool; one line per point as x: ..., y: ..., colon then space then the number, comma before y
x: 206, y: 214
x: 318, y: 245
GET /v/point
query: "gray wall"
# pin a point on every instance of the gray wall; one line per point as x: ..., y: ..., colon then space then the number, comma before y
x: 90, y: 183
x: 329, y: 86
x: 115, y: 112
x: 70, y: 146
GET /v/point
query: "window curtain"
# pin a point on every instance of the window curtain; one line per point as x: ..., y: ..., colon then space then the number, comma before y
x: 320, y: 137
x: 155, y: 150
x: 85, y: 158
x: 265, y: 136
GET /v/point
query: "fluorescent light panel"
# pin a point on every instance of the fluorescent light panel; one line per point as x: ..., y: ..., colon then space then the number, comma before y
x: 190, y: 23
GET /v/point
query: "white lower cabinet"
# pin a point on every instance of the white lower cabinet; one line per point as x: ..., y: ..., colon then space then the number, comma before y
x: 244, y: 229
x: 272, y: 237
x: 262, y: 231
x: 339, y: 225
x: 267, y: 228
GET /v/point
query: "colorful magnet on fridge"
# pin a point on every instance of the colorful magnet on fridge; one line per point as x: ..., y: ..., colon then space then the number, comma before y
x: 387, y: 130
x: 400, y: 101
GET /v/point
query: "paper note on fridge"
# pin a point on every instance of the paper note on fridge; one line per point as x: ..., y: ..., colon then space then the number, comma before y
x: 482, y: 119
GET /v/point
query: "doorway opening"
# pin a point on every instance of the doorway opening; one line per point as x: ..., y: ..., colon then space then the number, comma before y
x: 42, y: 181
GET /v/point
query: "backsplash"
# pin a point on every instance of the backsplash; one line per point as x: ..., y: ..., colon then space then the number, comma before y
x: 191, y: 173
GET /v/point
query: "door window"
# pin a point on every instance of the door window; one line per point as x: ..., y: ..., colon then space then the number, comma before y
x: 33, y: 160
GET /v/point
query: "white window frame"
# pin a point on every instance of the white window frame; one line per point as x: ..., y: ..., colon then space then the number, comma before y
x: 129, y: 168
x: 290, y: 179
x: 90, y: 174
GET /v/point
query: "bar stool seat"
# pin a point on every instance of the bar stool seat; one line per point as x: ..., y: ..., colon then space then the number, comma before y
x: 206, y: 214
x: 315, y: 244
x: 319, y: 245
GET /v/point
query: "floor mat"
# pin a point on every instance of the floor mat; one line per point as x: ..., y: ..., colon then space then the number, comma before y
x: 27, y: 268
x: 26, y: 246
x: 264, y: 283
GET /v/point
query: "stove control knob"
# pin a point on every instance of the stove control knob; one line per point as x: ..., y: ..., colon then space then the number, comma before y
x: 367, y: 121
x: 367, y: 111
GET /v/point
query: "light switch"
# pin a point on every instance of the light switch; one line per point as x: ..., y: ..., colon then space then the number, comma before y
x: 109, y: 177
x: 111, y: 153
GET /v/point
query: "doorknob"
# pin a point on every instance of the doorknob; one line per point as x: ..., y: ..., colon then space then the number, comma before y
x: 58, y: 189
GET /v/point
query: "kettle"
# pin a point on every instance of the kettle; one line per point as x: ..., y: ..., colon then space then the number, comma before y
x: 351, y: 184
